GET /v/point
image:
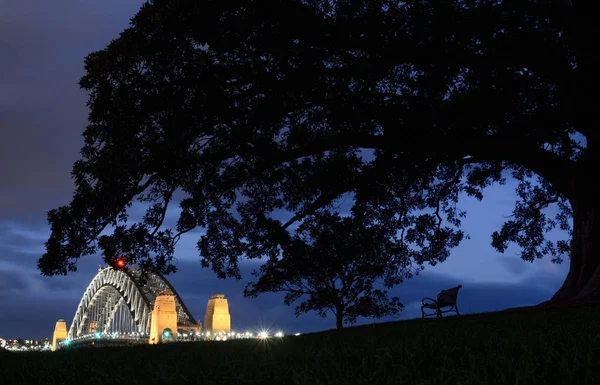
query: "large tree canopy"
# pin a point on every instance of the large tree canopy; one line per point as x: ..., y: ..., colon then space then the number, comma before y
x: 250, y: 108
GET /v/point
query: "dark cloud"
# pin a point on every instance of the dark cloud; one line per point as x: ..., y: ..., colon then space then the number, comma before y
x: 10, y: 283
x: 514, y: 265
x: 42, y: 109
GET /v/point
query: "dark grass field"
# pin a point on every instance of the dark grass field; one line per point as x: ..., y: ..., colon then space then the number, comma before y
x: 528, y: 347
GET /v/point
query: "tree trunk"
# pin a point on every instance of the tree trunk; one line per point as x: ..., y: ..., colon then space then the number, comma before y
x: 582, y: 284
x: 339, y: 320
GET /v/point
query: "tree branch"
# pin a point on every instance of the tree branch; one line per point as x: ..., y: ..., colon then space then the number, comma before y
x: 176, y: 237
x: 541, y: 205
x: 127, y: 199
x: 167, y: 198
x: 286, y: 287
x: 550, y: 166
x: 546, y: 164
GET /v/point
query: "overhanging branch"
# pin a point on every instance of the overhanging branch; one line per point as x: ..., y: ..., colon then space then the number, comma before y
x: 550, y: 166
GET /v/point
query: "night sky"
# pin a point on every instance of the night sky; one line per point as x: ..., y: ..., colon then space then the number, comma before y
x: 42, y: 116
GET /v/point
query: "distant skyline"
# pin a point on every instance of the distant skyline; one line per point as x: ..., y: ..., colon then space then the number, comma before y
x: 42, y: 117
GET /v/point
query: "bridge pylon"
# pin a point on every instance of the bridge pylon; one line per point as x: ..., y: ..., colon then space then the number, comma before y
x: 217, y: 318
x: 164, y: 316
x: 60, y: 333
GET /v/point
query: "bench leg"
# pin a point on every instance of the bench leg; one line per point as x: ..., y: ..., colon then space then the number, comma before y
x: 425, y: 315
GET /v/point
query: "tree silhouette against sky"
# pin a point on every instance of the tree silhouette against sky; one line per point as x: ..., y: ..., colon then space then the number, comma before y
x: 336, y: 264
x: 257, y: 108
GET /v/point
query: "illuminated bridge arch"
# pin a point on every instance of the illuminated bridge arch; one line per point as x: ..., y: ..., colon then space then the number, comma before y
x: 112, y: 292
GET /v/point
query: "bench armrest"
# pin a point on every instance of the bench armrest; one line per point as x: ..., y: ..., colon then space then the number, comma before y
x: 429, y: 299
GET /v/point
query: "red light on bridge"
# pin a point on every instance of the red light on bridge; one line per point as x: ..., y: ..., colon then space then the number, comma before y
x: 121, y: 263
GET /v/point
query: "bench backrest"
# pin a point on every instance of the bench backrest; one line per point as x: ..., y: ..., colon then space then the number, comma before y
x: 448, y: 297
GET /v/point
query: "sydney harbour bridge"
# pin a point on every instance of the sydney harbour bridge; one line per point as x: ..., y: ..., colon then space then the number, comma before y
x: 119, y: 307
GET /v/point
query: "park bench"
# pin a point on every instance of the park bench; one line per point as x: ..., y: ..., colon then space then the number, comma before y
x: 445, y: 303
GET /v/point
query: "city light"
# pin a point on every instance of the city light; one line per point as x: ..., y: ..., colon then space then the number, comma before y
x: 21, y: 345
x: 136, y: 337
x: 263, y: 334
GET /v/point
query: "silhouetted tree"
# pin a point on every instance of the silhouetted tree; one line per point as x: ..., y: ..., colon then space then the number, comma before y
x: 247, y: 108
x: 337, y: 264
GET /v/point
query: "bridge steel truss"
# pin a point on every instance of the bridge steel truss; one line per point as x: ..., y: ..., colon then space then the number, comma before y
x: 111, y: 290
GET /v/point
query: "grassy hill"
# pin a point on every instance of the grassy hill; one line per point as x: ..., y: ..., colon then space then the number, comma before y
x: 529, y: 347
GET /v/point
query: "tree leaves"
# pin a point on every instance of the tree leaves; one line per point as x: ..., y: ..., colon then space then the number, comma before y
x: 255, y: 110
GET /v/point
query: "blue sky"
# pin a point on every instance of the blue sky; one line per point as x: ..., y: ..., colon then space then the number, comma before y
x: 42, y: 116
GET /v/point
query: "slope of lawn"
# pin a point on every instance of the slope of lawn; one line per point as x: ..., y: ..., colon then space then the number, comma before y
x: 529, y: 347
